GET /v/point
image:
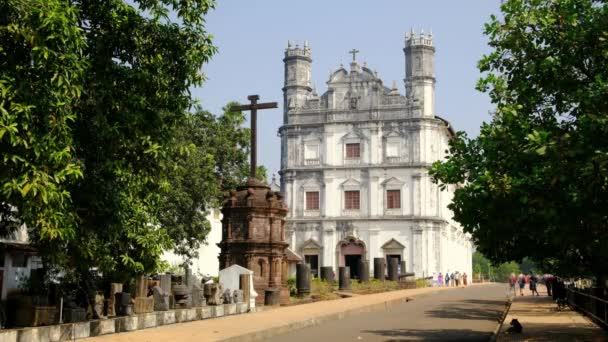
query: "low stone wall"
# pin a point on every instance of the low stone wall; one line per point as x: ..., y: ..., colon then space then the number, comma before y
x: 73, y: 331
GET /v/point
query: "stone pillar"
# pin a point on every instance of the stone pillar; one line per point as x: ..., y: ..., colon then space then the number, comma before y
x: 392, y: 269
x: 141, y: 286
x: 272, y: 297
x: 303, y: 279
x: 344, y: 278
x: 114, y: 289
x: 327, y: 274
x: 363, y: 271
x: 165, y: 283
x: 245, y: 285
x: 403, y: 267
x: 379, y: 268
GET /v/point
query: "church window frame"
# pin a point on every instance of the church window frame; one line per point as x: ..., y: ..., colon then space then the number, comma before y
x: 393, y: 147
x: 311, y: 185
x: 389, y: 185
x: 352, y: 199
x: 352, y: 150
x: 393, y: 199
x: 313, y: 200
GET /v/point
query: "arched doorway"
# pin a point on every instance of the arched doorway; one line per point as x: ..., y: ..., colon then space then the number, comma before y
x: 350, y: 252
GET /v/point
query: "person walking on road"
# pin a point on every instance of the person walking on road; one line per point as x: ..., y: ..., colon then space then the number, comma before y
x: 533, y: 281
x: 447, y: 278
x: 512, y: 282
x: 452, y: 279
x: 457, y: 278
x: 521, y: 279
x: 440, y: 279
x: 464, y: 279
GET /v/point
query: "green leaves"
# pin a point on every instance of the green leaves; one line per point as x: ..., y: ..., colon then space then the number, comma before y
x: 533, y: 181
x: 93, y: 94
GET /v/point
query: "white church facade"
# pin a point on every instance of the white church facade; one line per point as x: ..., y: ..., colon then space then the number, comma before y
x: 354, y: 167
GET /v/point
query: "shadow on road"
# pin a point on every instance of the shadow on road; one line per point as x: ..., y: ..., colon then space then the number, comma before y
x: 469, y: 309
x: 398, y: 335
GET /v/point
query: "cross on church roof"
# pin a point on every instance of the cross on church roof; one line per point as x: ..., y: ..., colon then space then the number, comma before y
x: 354, y: 53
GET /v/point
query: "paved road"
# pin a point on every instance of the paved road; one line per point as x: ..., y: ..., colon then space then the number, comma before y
x: 466, y: 314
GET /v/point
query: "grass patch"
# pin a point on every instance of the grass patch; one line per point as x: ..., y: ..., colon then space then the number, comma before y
x: 421, y: 283
x: 373, y: 286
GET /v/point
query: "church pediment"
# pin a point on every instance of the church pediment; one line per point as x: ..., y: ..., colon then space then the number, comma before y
x: 392, y: 134
x: 311, y: 244
x: 353, y: 135
x: 393, y: 244
x: 392, y: 181
x: 312, y: 182
x: 351, y: 183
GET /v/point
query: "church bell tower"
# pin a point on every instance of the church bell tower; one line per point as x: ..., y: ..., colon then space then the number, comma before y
x: 420, y: 71
x: 297, y: 77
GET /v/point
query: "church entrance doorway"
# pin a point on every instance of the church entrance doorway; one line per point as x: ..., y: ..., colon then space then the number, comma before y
x: 352, y: 261
x: 351, y: 252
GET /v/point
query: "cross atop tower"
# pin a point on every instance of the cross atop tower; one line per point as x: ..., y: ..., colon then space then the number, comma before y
x: 354, y: 53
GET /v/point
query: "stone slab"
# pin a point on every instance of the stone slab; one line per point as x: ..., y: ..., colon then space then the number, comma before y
x: 169, y: 317
x: 217, y: 311
x: 81, y: 330
x: 62, y: 332
x: 103, y: 327
x: 241, y: 308
x: 229, y: 309
x: 180, y: 315
x: 127, y: 323
x: 149, y: 320
x: 191, y: 314
x: 28, y: 335
x: 8, y: 336
x: 205, y: 312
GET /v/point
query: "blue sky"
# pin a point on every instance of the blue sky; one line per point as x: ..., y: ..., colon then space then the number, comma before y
x: 252, y: 34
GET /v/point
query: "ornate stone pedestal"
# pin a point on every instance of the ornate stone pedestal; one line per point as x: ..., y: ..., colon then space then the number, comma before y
x: 253, y: 236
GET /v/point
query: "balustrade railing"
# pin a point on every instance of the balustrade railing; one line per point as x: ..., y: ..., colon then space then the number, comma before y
x: 590, y: 305
x: 311, y: 162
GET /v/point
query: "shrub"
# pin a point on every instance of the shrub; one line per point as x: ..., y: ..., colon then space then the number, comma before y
x: 291, y: 285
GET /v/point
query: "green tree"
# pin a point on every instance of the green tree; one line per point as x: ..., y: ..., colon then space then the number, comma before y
x: 534, y: 182
x: 93, y: 94
x: 42, y: 70
x: 210, y: 158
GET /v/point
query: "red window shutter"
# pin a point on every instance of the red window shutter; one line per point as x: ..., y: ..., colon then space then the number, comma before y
x: 312, y: 200
x: 351, y: 199
x: 353, y: 150
x: 393, y: 199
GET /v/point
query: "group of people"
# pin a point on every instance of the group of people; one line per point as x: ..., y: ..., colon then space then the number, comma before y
x: 521, y: 281
x: 452, y: 279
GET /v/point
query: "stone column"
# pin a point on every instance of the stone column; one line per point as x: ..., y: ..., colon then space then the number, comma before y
x: 272, y: 297
x: 379, y: 268
x: 363, y: 271
x: 403, y: 267
x: 303, y: 279
x: 392, y: 269
x: 327, y: 274
x: 344, y: 280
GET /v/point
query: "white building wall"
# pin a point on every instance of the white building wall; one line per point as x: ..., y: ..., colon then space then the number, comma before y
x: 207, y: 262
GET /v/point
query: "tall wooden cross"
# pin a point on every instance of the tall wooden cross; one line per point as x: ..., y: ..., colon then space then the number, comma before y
x: 354, y: 53
x: 253, y: 107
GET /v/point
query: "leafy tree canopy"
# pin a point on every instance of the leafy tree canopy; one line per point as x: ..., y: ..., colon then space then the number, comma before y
x: 534, y: 182
x: 92, y: 95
